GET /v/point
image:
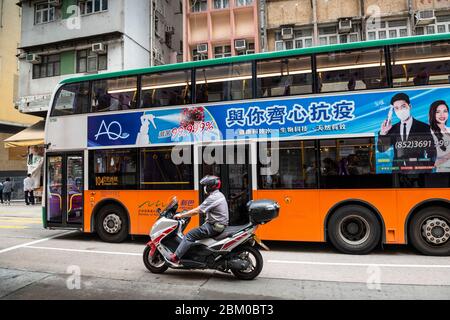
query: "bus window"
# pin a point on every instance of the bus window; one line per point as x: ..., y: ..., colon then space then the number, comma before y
x: 72, y: 99
x: 351, y: 70
x: 296, y: 167
x: 113, y: 169
x: 166, y: 89
x: 224, y: 83
x: 114, y: 94
x: 420, y: 64
x: 350, y: 163
x: 159, y: 172
x: 284, y: 77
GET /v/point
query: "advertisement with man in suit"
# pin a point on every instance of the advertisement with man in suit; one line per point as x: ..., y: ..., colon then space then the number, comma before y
x: 411, y: 139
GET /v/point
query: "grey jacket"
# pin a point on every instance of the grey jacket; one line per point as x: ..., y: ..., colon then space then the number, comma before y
x: 7, y: 186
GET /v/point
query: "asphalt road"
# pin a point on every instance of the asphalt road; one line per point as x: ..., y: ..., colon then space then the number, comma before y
x: 43, y: 264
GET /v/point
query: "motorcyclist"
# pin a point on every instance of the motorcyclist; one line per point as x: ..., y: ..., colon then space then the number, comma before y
x: 215, y: 207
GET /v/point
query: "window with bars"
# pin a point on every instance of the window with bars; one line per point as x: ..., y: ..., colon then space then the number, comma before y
x: 222, y: 51
x: 303, y: 38
x: 89, y: 61
x: 387, y: 29
x: 44, y: 12
x: 221, y: 4
x: 242, y: 3
x: 199, y: 5
x: 442, y: 25
x: 92, y: 6
x: 49, y: 67
x: 330, y: 35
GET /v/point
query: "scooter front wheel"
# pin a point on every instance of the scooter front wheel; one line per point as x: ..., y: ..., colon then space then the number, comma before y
x: 155, y: 264
x: 255, y: 259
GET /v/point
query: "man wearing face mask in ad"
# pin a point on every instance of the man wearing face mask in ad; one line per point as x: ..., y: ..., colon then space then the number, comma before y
x: 414, y: 151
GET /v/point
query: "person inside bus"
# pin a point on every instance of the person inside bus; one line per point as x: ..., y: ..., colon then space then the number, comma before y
x: 411, y: 138
x: 438, y: 116
x: 422, y: 78
x: 215, y: 207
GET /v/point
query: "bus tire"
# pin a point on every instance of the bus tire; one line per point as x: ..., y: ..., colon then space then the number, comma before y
x: 112, y: 223
x: 429, y: 231
x: 354, y: 229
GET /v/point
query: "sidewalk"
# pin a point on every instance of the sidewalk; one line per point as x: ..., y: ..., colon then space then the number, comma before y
x: 20, y: 208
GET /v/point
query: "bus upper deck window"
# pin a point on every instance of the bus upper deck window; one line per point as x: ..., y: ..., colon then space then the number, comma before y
x: 72, y: 99
x: 420, y: 64
x: 224, y: 83
x: 114, y: 94
x: 351, y: 70
x: 284, y: 77
x: 166, y: 89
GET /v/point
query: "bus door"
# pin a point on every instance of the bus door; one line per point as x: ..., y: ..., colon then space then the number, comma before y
x: 64, y: 189
x: 232, y: 164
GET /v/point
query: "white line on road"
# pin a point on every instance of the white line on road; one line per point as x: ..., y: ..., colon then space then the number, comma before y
x: 362, y: 264
x: 85, y: 251
x: 34, y: 242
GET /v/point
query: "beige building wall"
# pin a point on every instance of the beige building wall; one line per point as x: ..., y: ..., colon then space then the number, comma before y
x: 9, y: 80
x: 10, y: 159
x: 316, y: 14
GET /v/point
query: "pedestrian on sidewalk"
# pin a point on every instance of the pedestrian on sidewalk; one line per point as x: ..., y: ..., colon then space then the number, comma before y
x: 7, y: 190
x: 28, y: 187
x: 1, y: 192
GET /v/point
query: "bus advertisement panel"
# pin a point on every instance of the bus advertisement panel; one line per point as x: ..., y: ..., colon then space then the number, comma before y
x: 407, y: 138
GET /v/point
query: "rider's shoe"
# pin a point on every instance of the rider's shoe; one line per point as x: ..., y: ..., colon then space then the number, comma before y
x: 174, y: 259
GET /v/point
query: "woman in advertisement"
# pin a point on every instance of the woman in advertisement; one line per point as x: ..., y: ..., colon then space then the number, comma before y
x: 438, y: 116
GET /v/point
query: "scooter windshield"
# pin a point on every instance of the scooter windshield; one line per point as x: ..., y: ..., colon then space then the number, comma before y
x: 172, y: 203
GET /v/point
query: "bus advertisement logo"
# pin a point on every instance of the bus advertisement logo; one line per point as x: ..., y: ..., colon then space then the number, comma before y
x: 113, y: 131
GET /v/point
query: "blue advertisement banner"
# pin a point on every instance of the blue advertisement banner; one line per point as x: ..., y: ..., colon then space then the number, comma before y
x: 399, y: 120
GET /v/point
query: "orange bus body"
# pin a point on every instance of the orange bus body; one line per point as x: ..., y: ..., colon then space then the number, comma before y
x: 303, y: 213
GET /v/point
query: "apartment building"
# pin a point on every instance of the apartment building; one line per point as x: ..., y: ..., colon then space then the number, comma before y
x: 220, y: 28
x: 64, y: 38
x: 12, y: 160
x: 289, y: 24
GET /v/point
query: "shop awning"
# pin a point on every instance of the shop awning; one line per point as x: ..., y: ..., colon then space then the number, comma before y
x: 31, y: 136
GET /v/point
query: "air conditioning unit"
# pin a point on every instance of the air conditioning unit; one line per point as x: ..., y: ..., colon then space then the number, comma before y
x: 98, y: 48
x: 345, y: 25
x: 240, y: 45
x: 287, y: 33
x: 34, y: 58
x: 249, y: 51
x: 202, y: 48
x: 424, y: 17
x: 55, y: 3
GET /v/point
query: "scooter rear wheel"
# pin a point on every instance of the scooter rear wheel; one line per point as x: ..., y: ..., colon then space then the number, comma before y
x: 255, y: 258
x: 155, y: 264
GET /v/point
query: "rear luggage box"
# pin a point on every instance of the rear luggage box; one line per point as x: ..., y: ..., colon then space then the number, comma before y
x: 262, y: 211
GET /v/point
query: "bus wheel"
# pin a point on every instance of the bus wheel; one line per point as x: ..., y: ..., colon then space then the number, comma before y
x: 429, y: 231
x: 354, y: 229
x: 112, y: 223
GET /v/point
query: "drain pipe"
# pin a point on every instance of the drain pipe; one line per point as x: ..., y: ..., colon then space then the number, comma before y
x: 2, y: 3
x: 411, y: 17
x: 316, y: 29
x: 263, y: 25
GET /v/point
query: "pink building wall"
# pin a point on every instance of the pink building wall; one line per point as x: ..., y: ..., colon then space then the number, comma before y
x: 219, y: 27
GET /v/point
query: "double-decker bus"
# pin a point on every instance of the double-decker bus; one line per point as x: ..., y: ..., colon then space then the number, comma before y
x: 351, y: 139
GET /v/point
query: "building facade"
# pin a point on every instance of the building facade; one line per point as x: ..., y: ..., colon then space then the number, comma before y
x: 64, y: 38
x: 220, y: 28
x: 289, y: 24
x: 12, y: 160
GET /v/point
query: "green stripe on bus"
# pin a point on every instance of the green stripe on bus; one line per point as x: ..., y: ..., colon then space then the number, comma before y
x: 265, y: 55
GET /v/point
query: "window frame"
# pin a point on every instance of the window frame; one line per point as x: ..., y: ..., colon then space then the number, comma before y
x: 45, y: 63
x: 47, y: 11
x: 82, y: 4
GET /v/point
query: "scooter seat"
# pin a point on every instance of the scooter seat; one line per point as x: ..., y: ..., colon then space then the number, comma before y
x: 229, y: 231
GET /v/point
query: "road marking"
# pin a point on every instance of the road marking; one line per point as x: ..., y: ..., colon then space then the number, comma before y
x: 387, y: 265
x: 84, y: 251
x: 35, y: 242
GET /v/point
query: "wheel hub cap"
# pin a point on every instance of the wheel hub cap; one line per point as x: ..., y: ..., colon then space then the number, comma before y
x: 112, y: 223
x: 354, y: 230
x: 436, y: 231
